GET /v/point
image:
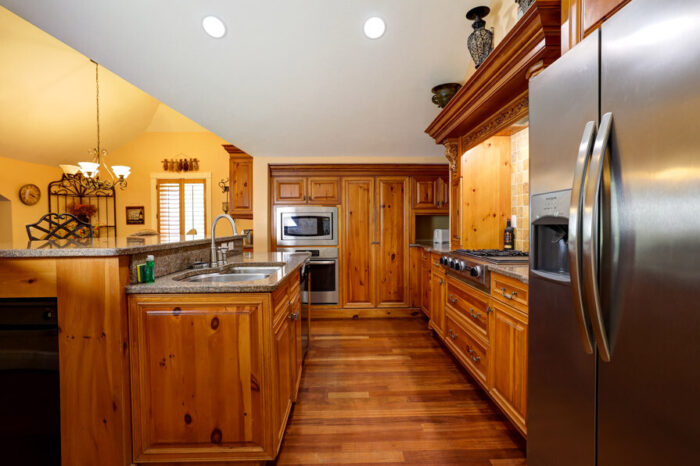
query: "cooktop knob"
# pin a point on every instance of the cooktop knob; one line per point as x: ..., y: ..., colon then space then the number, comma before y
x: 461, y: 265
x: 475, y: 271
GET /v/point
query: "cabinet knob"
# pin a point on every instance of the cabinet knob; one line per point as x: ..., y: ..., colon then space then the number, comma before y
x: 293, y: 316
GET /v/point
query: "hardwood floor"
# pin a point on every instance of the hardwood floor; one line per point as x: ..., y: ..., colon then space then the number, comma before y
x: 385, y: 391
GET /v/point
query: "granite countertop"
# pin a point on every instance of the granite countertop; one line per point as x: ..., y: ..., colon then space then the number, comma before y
x: 121, y: 246
x: 290, y: 262
x: 518, y: 271
x: 430, y: 246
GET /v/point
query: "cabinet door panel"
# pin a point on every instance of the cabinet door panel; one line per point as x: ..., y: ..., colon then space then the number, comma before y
x: 284, y: 371
x: 424, y: 192
x: 509, y: 357
x: 357, y: 264
x: 289, y: 190
x: 392, y: 257
x: 438, y: 290
x: 324, y: 190
x: 196, y: 376
x: 426, y: 288
x: 241, y: 188
x: 443, y: 192
x: 415, y: 272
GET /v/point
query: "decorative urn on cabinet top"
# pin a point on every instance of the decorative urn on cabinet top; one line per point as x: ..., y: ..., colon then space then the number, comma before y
x: 480, y: 41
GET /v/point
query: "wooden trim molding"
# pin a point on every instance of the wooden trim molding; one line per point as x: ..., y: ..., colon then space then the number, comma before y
x: 452, y: 154
x: 502, y: 79
x: 233, y: 150
x: 351, y: 169
x: 511, y: 113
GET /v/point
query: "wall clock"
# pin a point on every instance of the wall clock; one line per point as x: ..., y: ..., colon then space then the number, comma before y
x: 29, y: 194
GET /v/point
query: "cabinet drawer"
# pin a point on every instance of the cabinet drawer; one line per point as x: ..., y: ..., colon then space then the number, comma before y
x: 435, y: 262
x: 470, y: 350
x: 472, y: 304
x: 510, y: 291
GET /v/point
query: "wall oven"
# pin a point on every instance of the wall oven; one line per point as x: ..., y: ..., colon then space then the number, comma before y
x: 323, y: 275
x: 306, y: 226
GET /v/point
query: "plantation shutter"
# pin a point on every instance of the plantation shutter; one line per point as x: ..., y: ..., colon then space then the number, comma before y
x: 181, y: 208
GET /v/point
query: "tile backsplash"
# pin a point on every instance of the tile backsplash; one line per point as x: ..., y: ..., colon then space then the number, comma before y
x: 520, y: 187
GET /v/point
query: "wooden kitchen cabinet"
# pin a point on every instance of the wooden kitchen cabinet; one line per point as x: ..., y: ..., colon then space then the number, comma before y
x: 509, y: 361
x: 414, y: 275
x: 438, y: 290
x: 289, y: 190
x: 392, y: 206
x: 213, y: 376
x: 429, y: 193
x: 425, y: 284
x: 322, y: 190
x: 240, y: 198
x: 374, y: 246
x: 196, y: 376
x: 357, y: 278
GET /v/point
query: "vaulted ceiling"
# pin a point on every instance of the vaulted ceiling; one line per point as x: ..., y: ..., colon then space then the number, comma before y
x: 47, y: 100
x: 289, y: 77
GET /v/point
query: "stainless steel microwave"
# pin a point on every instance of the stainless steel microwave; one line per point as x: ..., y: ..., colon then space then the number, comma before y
x: 306, y: 226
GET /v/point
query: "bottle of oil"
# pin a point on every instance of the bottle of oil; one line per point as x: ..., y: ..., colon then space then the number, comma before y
x: 509, y: 237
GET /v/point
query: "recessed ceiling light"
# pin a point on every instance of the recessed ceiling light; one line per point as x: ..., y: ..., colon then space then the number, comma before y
x: 374, y: 27
x: 214, y: 27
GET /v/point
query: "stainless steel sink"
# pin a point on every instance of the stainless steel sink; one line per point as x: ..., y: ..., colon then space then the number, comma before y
x: 225, y: 277
x: 239, y: 273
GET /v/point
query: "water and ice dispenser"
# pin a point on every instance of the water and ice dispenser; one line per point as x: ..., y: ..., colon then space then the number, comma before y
x: 549, y: 213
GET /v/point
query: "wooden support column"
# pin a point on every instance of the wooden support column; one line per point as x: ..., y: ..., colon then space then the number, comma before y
x: 94, y: 361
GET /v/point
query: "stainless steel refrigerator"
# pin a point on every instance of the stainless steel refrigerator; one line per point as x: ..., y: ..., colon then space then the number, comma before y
x: 614, y: 334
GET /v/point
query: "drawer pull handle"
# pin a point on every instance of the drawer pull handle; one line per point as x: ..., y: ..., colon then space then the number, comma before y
x: 474, y: 315
x: 452, y: 299
x: 489, y: 310
x: 471, y: 352
x: 452, y: 334
x: 508, y: 296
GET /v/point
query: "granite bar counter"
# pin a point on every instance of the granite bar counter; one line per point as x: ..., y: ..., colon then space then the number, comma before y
x: 175, y: 283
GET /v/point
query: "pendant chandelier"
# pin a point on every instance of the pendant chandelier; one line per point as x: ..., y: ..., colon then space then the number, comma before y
x: 96, y: 174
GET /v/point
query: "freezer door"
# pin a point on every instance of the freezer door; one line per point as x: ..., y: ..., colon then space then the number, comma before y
x: 561, y: 375
x: 648, y: 406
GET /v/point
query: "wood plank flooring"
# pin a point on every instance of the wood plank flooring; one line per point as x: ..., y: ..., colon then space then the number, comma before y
x: 384, y: 391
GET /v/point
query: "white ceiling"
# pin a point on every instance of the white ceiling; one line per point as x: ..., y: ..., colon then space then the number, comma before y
x: 290, y: 78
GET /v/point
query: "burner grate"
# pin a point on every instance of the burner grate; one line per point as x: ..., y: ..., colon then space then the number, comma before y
x: 491, y: 252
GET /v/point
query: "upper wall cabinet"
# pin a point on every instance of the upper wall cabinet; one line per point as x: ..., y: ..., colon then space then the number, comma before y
x: 241, y: 183
x: 430, y: 192
x: 306, y: 190
x: 581, y: 17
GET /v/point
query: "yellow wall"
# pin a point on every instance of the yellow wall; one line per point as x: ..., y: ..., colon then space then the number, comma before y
x: 144, y: 155
x: 14, y: 174
x: 261, y: 190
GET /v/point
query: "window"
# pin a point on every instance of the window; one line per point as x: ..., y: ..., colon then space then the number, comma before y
x: 181, y: 207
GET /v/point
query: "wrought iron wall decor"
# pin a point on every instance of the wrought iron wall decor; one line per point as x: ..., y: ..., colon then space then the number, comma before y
x: 71, y: 190
x: 480, y: 41
x: 54, y: 226
x: 180, y: 165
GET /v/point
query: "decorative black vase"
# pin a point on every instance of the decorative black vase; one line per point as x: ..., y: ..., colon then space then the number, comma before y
x: 443, y: 93
x: 480, y: 41
x: 523, y: 5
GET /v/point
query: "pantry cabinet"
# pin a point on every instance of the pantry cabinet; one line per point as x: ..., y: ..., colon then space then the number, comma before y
x: 438, y: 291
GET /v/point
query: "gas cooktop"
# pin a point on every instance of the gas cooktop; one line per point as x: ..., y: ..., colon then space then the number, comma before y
x: 471, y: 264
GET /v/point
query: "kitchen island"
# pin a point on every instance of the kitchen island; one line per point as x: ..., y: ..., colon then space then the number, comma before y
x: 133, y: 356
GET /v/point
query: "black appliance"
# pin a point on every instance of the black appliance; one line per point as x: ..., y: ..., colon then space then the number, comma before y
x: 29, y: 383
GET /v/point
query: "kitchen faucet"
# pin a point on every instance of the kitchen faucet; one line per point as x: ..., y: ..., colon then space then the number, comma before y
x: 214, y: 261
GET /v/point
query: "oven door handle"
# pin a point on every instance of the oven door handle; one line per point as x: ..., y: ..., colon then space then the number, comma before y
x: 313, y: 262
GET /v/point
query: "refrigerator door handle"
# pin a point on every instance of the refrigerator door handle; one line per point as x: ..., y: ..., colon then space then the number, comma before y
x: 574, y: 234
x: 589, y: 233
